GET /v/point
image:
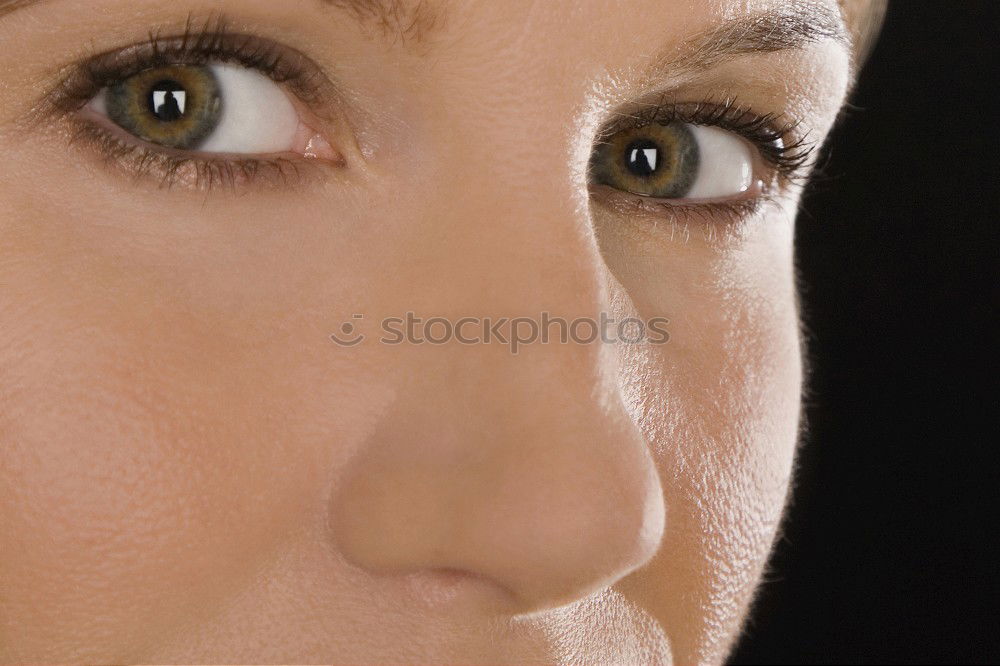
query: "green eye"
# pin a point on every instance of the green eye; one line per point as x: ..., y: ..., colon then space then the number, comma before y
x: 655, y: 161
x: 176, y: 106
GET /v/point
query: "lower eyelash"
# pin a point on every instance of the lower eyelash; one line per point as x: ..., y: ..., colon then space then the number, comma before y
x: 196, y: 171
x: 724, y: 216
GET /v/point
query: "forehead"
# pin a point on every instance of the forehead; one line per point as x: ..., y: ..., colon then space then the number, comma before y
x: 416, y: 20
x: 614, y: 35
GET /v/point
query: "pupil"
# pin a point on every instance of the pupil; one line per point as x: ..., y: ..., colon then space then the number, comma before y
x: 167, y: 101
x: 642, y: 157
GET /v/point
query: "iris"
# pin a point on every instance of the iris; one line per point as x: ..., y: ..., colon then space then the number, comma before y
x: 175, y: 106
x: 655, y: 161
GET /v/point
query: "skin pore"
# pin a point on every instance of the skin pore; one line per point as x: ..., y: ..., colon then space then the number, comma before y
x: 191, y: 470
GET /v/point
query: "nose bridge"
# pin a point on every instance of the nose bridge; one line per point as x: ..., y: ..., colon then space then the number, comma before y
x: 506, y: 388
x: 517, y: 239
x: 513, y: 258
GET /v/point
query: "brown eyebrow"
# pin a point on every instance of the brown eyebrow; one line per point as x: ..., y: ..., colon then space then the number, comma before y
x: 790, y: 27
x: 7, y: 6
x: 405, y: 20
x: 402, y: 20
x: 793, y: 26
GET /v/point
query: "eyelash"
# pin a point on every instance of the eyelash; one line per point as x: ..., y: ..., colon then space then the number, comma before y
x: 211, y: 42
x: 769, y: 133
x: 790, y: 157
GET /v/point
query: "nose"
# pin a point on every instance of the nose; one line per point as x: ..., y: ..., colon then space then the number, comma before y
x: 524, y: 469
x: 525, y: 477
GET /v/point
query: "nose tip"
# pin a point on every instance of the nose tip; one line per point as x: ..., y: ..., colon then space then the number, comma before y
x: 576, y: 540
x: 548, y: 517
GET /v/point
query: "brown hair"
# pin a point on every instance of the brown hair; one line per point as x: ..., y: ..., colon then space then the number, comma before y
x: 864, y: 19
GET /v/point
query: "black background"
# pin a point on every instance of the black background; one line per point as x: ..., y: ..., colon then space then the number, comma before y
x: 889, y: 553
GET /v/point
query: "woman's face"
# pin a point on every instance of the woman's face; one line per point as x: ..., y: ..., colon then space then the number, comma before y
x: 205, y: 206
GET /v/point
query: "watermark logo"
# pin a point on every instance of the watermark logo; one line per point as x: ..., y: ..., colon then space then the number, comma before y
x: 514, y: 332
x: 348, y: 335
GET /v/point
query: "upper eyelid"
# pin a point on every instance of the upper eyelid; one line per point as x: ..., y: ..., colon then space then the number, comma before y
x: 213, y: 42
x: 669, y: 107
x: 796, y: 151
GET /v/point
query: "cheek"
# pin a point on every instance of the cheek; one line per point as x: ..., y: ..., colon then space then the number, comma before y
x: 112, y: 499
x: 146, y: 407
x: 719, y: 403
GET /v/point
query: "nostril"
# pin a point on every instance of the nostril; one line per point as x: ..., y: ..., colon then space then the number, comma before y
x: 507, y: 544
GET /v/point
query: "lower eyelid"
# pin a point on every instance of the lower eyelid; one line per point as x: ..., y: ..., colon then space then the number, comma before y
x: 169, y: 168
x: 310, y: 155
x: 727, y: 210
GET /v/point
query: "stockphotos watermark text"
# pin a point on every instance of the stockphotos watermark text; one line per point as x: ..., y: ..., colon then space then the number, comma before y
x: 514, y: 332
